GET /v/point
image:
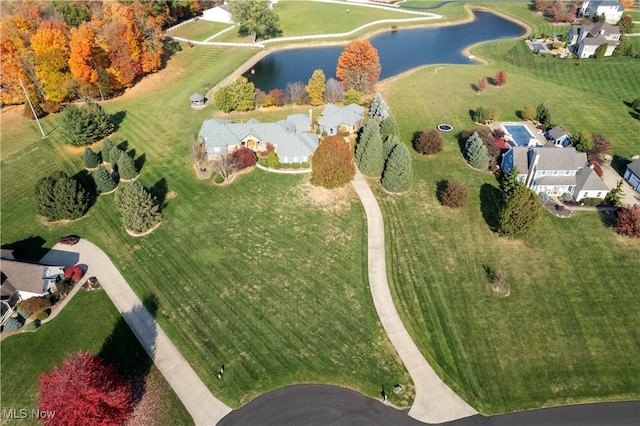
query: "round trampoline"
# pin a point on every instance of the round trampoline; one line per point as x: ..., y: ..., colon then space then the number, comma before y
x: 445, y: 127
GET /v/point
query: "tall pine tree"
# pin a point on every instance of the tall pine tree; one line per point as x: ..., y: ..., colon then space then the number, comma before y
x: 104, y: 181
x: 378, y: 108
x: 126, y: 167
x: 90, y: 158
x: 388, y: 127
x: 372, y: 127
x: 388, y: 145
x: 140, y: 211
x: 398, y: 171
x: 59, y: 196
x: 107, y: 146
x: 520, y: 214
x: 372, y: 158
x: 476, y: 152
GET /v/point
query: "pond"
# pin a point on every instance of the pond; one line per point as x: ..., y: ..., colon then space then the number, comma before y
x: 399, y: 51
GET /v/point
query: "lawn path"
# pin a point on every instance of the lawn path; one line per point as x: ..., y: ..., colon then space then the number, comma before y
x: 435, y: 402
x: 196, y: 397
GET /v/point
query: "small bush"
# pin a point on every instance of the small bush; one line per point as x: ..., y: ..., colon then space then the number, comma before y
x: 305, y: 165
x: 32, y: 326
x: 243, y: 158
x: 43, y: 315
x: 628, y: 221
x: 428, y: 142
x: 34, y: 304
x: 295, y: 165
x: 592, y: 202
x: 567, y: 197
x: 13, y: 324
x: 454, y: 195
x: 544, y: 196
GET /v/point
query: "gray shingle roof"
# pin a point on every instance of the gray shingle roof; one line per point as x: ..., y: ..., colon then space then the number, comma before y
x: 21, y: 276
x: 557, y: 133
x: 333, y: 116
x: 634, y: 166
x: 588, y: 180
x: 551, y: 158
x: 291, y: 143
x: 196, y: 97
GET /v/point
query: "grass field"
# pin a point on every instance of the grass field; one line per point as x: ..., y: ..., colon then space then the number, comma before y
x: 88, y: 323
x: 259, y: 275
x: 571, y: 286
x: 269, y: 278
x: 199, y: 30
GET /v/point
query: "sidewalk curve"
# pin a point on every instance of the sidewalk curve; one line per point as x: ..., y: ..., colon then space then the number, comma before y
x: 435, y: 402
x: 196, y: 397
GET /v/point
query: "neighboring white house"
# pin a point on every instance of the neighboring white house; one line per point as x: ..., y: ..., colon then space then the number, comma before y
x: 335, y: 119
x: 555, y: 171
x: 612, y: 10
x: 23, y: 280
x: 559, y: 136
x: 218, y: 14
x: 222, y: 13
x: 292, y: 139
x: 584, y: 39
x: 632, y: 174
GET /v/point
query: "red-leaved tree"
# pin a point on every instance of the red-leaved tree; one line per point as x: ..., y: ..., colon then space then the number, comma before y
x: 628, y: 221
x: 359, y: 66
x: 332, y: 164
x: 243, y: 158
x: 500, y: 79
x: 85, y: 391
x: 482, y: 84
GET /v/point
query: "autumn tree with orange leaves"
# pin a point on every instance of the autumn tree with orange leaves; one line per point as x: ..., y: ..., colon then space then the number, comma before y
x: 359, y: 66
x: 64, y: 51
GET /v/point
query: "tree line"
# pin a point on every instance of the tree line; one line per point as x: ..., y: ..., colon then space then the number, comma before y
x: 63, y: 51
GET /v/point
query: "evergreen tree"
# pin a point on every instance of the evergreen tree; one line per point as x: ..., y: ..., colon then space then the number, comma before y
x: 372, y: 158
x: 476, y: 152
x: 115, y: 155
x: 83, y: 126
x: 388, y: 145
x: 368, y: 131
x: 509, y: 183
x: 107, y: 146
x: 520, y: 214
x: 388, y: 127
x: 90, y: 158
x: 315, y: 88
x: 398, y: 171
x: 614, y: 196
x: 126, y: 167
x: 140, y: 211
x: 104, y: 181
x: 543, y: 115
x: 60, y: 197
x: 378, y: 108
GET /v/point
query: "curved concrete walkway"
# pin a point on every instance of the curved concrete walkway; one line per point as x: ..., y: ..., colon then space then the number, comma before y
x: 196, y: 397
x: 435, y: 402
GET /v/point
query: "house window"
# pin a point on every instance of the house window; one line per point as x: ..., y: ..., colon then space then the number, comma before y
x: 251, y: 144
x: 555, y: 172
x: 599, y: 194
x: 567, y: 172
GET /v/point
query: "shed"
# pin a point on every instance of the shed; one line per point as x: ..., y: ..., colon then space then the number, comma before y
x: 218, y: 14
x: 632, y: 174
x: 559, y: 136
x: 197, y: 100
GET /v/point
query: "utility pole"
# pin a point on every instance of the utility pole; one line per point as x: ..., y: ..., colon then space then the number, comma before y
x: 26, y: 95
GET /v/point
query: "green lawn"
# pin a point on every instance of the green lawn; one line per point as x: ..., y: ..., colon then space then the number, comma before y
x: 568, y: 331
x: 199, y: 30
x: 255, y: 275
x: 90, y: 323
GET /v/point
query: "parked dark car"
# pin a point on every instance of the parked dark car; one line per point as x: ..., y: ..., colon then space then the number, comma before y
x: 69, y: 240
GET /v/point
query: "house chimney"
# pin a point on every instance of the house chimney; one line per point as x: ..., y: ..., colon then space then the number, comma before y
x: 532, y: 157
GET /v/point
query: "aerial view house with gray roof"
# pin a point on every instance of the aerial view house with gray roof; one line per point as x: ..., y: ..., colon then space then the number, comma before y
x: 559, y: 136
x: 632, y: 174
x: 292, y: 138
x: 335, y: 119
x: 555, y: 171
x: 584, y: 39
x: 611, y: 9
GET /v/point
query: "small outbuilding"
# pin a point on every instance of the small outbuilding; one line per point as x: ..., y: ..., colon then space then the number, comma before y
x: 197, y: 100
x: 632, y: 174
x: 559, y: 136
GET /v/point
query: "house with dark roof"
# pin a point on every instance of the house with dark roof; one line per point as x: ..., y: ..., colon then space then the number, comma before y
x: 555, y: 171
x: 611, y: 9
x: 584, y: 39
x: 632, y: 174
x: 335, y: 119
x: 559, y: 136
x: 292, y: 138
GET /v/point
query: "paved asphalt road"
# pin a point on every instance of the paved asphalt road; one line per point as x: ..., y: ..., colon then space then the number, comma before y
x: 322, y: 405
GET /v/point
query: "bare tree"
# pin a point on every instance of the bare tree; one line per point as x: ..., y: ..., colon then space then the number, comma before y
x: 295, y: 92
x: 333, y: 91
x: 223, y: 166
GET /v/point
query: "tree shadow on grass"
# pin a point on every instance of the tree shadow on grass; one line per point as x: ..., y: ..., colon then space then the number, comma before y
x: 159, y: 191
x: 139, y: 162
x: 117, y: 119
x: 30, y: 248
x: 441, y: 185
x: 490, y: 205
x: 125, y: 352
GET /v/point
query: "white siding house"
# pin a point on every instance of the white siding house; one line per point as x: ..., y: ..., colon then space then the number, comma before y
x: 555, y: 171
x: 584, y: 39
x: 612, y: 10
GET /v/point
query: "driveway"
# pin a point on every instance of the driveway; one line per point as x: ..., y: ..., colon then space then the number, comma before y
x: 611, y: 178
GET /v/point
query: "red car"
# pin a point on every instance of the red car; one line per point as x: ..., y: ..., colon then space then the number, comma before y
x: 69, y: 240
x: 74, y: 273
